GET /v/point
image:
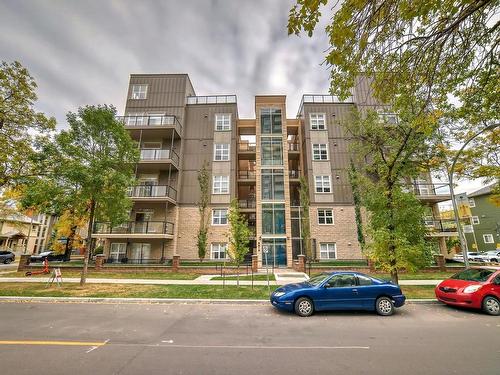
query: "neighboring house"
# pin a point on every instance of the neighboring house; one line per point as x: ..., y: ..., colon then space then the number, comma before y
x: 485, y: 221
x: 43, y: 232
x: 18, y: 232
x: 258, y: 161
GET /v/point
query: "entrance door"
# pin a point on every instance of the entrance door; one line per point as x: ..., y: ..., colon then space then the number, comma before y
x: 141, y: 221
x: 117, y: 252
x: 274, y: 250
x: 140, y: 253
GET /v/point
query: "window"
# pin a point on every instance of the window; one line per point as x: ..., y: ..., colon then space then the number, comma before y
x: 273, y: 218
x: 341, y: 281
x: 325, y: 217
x: 327, y: 250
x: 218, y: 250
x: 320, y: 151
x: 364, y: 280
x: 117, y: 251
x: 220, y: 185
x: 221, y: 151
x: 475, y: 220
x: 488, y: 238
x: 219, y: 216
x: 273, y: 184
x: 139, y: 91
x: 322, y: 184
x: 222, y: 121
x: 270, y: 121
x: 272, y: 151
x: 389, y: 118
x: 472, y: 202
x: 317, y: 121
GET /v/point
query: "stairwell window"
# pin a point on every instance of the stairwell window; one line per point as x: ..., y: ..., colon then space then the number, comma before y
x: 317, y: 121
x: 475, y: 220
x: 218, y: 250
x: 322, y: 184
x: 325, y: 216
x: 219, y: 216
x: 221, y: 151
x: 328, y: 250
x: 220, y: 185
x: 472, y: 202
x: 320, y: 151
x: 223, y: 121
x: 139, y: 91
x: 488, y: 238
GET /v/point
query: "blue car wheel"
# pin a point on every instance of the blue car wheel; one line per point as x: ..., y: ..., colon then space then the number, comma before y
x: 384, y: 306
x: 304, y: 307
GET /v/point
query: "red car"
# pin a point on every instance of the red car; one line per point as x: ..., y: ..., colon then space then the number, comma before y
x: 476, y: 287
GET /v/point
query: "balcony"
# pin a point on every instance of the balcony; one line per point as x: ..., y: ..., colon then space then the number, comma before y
x: 431, y: 193
x: 246, y: 147
x: 247, y: 203
x: 152, y: 193
x: 152, y: 156
x: 440, y: 227
x: 212, y: 99
x: 293, y: 147
x: 294, y: 174
x: 151, y: 122
x: 134, y: 229
x: 246, y: 175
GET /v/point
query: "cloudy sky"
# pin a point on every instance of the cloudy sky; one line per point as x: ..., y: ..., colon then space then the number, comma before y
x: 82, y: 52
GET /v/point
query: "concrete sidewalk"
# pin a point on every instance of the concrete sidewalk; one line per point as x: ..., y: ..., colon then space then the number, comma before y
x: 202, y: 280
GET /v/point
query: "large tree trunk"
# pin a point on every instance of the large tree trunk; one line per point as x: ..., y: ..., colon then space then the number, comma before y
x: 390, y: 227
x: 88, y: 245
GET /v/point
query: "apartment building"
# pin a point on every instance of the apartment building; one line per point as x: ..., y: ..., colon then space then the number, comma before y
x: 257, y: 161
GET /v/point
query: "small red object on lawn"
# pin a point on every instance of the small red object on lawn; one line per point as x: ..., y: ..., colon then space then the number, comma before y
x: 43, y: 271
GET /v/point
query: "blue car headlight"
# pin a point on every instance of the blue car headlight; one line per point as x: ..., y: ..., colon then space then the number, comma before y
x: 279, y: 294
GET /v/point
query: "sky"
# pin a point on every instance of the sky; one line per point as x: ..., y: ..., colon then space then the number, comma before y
x: 82, y: 52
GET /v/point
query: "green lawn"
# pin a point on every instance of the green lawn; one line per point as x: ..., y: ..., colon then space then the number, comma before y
x: 259, y: 277
x: 416, y: 276
x: 161, y: 291
x: 118, y: 275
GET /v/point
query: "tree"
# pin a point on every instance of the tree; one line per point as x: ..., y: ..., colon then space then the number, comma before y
x: 304, y: 220
x: 239, y: 236
x: 420, y: 54
x: 90, y: 167
x: 66, y: 232
x: 19, y: 122
x: 202, y: 236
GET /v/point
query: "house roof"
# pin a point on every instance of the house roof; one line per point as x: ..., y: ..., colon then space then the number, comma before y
x: 12, y: 233
x: 484, y: 190
x: 19, y: 218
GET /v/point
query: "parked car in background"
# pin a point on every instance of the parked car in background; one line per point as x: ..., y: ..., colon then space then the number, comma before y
x: 50, y: 255
x: 7, y: 256
x: 476, y: 287
x: 339, y: 291
x: 490, y: 256
x: 473, y: 256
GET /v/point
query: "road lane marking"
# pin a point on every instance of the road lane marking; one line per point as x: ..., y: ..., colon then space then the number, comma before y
x: 57, y: 343
x: 266, y: 347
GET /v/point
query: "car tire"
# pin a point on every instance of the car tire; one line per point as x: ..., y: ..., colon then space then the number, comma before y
x: 7, y: 261
x: 491, y: 306
x: 494, y: 260
x: 304, y: 307
x: 384, y: 306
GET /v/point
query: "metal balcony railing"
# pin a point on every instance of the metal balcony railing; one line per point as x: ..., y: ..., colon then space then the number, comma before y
x: 211, y: 99
x: 325, y: 99
x: 430, y: 189
x: 246, y: 175
x: 135, y: 227
x: 125, y: 260
x: 152, y: 191
x: 294, y: 173
x: 159, y: 154
x: 247, y: 203
x: 440, y: 225
x: 245, y: 146
x: 293, y: 146
x: 155, y: 120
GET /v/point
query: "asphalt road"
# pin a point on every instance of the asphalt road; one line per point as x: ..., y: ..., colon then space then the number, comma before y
x: 83, y: 338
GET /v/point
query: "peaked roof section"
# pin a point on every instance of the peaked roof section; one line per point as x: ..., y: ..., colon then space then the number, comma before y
x: 484, y: 190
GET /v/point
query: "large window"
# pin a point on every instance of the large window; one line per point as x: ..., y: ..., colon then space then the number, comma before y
x: 322, y: 184
x: 272, y: 151
x: 222, y: 121
x: 317, y: 121
x: 219, y: 216
x: 139, y: 91
x: 273, y: 184
x: 475, y: 220
x: 327, y: 250
x: 218, y: 250
x: 488, y: 238
x: 325, y: 216
x: 270, y: 121
x: 273, y: 218
x: 221, y: 151
x: 320, y: 151
x: 472, y: 202
x: 220, y: 185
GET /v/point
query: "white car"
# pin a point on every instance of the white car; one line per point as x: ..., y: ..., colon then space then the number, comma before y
x: 490, y: 256
x: 472, y: 256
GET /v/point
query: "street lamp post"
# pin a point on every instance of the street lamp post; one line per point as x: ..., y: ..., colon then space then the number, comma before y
x: 463, y: 242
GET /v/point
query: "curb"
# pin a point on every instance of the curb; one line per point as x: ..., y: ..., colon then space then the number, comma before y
x: 168, y: 300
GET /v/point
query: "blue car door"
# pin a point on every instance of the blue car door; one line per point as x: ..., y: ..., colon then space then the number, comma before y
x: 340, y: 292
x: 367, y: 291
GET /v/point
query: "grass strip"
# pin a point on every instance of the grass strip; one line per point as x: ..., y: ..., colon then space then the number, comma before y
x: 247, y: 277
x: 118, y: 275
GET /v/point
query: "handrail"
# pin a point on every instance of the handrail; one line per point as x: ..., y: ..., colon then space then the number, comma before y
x: 148, y: 154
x: 135, y: 227
x: 151, y: 191
x: 211, y: 99
x: 246, y: 175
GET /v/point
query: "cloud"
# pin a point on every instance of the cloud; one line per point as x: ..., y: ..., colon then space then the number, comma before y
x: 83, y: 52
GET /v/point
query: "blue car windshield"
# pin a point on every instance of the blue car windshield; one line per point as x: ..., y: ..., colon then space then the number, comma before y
x: 316, y: 280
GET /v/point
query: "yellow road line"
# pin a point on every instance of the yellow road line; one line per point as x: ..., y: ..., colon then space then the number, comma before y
x: 60, y: 343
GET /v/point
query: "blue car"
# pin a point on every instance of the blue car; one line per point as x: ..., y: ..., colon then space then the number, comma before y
x: 339, y: 291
